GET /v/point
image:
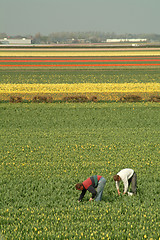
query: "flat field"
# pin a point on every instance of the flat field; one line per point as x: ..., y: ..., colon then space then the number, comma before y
x: 79, y: 67
x: 47, y: 148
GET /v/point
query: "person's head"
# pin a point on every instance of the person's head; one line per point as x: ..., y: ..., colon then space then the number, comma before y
x: 79, y: 186
x: 116, y: 178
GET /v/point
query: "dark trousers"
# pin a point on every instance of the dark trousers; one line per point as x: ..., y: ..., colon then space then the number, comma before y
x: 133, y: 182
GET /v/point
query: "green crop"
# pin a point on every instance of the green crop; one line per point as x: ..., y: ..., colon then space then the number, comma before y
x: 80, y: 76
x: 47, y: 148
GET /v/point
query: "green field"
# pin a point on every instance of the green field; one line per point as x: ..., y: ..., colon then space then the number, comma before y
x: 80, y: 76
x: 47, y: 148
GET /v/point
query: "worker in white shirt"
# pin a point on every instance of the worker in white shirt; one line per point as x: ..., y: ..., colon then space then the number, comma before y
x: 128, y: 176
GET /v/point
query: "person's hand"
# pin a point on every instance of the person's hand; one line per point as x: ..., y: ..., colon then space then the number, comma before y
x: 119, y: 192
x: 91, y: 199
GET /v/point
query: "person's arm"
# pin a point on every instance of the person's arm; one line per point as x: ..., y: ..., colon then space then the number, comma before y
x: 92, y: 190
x: 117, y: 186
x: 125, y: 182
x: 82, y: 195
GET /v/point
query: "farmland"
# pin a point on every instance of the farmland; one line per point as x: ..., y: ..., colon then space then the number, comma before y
x: 46, y: 148
x: 77, y: 67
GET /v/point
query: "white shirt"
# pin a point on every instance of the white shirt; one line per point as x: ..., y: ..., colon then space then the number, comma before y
x: 124, y: 174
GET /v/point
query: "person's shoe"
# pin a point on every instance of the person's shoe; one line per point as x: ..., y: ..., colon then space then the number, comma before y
x: 130, y: 194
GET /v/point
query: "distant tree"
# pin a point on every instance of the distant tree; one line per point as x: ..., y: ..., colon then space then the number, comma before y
x: 3, y: 35
x: 75, y: 37
x: 40, y: 39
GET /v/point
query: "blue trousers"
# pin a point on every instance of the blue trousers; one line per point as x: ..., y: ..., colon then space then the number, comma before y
x: 100, y: 188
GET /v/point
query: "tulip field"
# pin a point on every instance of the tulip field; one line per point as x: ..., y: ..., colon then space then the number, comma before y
x: 108, y: 77
x: 46, y: 148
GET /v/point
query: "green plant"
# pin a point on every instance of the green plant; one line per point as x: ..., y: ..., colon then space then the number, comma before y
x: 47, y: 148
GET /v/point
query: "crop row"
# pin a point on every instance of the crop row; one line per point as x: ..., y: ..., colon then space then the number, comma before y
x: 79, y: 76
x: 80, y: 88
x: 81, y: 65
x: 80, y: 53
x: 148, y: 61
x: 80, y: 60
x: 100, y: 91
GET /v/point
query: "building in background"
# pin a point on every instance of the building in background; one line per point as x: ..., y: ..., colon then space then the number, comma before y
x: 13, y: 41
x: 118, y: 40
